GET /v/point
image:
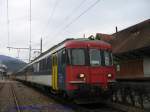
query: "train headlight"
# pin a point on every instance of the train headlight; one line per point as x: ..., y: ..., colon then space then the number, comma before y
x: 82, y: 75
x: 109, y: 75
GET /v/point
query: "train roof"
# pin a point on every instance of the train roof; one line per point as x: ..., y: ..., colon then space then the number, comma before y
x: 85, y: 43
x: 81, y: 42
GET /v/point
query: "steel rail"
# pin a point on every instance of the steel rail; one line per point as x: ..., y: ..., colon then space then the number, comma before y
x: 15, y: 99
x: 1, y: 86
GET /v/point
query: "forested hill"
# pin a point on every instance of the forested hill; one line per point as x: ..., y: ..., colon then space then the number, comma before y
x: 13, y: 64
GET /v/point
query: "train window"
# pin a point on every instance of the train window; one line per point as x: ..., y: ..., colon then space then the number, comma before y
x: 34, y: 67
x: 48, y: 63
x: 108, y: 58
x: 63, y: 57
x: 30, y: 68
x: 54, y: 59
x: 40, y: 65
x: 78, y: 56
x: 37, y: 67
x: 44, y: 62
x: 68, y: 56
x: 95, y: 57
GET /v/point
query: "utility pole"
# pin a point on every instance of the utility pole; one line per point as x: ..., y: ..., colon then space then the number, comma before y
x: 41, y: 46
x: 18, y: 51
x: 30, y: 48
x: 84, y: 35
x: 116, y: 31
x: 8, y: 33
x: 29, y: 52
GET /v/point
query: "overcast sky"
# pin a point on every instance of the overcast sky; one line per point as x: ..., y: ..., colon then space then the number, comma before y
x: 50, y: 20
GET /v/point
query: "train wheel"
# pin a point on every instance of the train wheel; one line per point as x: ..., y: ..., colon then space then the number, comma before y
x: 141, y: 101
x: 113, y: 98
x: 119, y: 96
x: 132, y: 94
x: 138, y: 100
x: 128, y: 99
x: 65, y: 96
x: 124, y: 95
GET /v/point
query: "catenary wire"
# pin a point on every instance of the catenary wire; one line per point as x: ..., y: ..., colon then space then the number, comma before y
x: 76, y: 18
x: 50, y: 17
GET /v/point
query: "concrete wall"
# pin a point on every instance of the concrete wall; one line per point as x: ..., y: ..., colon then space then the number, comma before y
x: 146, y: 66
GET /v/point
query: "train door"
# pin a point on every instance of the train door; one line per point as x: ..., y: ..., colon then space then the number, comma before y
x: 61, y: 68
x: 54, y: 72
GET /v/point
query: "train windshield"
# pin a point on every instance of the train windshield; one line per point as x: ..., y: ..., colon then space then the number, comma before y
x: 108, y: 58
x: 95, y: 57
x: 100, y: 58
x: 78, y: 56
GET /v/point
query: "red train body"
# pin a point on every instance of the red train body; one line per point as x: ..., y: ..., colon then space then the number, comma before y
x: 94, y: 75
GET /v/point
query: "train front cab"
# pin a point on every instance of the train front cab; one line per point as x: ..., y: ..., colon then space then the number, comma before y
x: 89, y: 70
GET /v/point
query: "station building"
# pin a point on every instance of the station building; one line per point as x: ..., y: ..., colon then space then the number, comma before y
x: 3, y: 71
x: 131, y: 48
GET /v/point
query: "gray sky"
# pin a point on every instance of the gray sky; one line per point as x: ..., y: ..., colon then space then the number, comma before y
x: 49, y: 17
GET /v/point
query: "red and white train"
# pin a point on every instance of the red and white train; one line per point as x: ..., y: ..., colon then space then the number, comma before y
x: 73, y: 67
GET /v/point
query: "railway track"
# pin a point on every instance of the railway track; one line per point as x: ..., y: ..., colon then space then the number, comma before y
x: 89, y: 107
x: 15, y: 99
x: 1, y: 86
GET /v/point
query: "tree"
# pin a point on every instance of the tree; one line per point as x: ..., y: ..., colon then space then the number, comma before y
x: 91, y: 37
x: 97, y: 37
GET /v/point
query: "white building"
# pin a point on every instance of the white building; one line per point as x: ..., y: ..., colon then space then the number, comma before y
x: 3, y: 71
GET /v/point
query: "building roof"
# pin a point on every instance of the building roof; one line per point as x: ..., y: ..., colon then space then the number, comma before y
x: 132, y: 38
x: 104, y: 37
x: 3, y: 66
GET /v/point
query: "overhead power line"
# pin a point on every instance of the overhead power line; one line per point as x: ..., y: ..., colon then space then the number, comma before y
x: 53, y: 10
x: 77, y: 18
x: 23, y: 48
x: 73, y: 11
x: 26, y: 48
x: 50, y: 17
